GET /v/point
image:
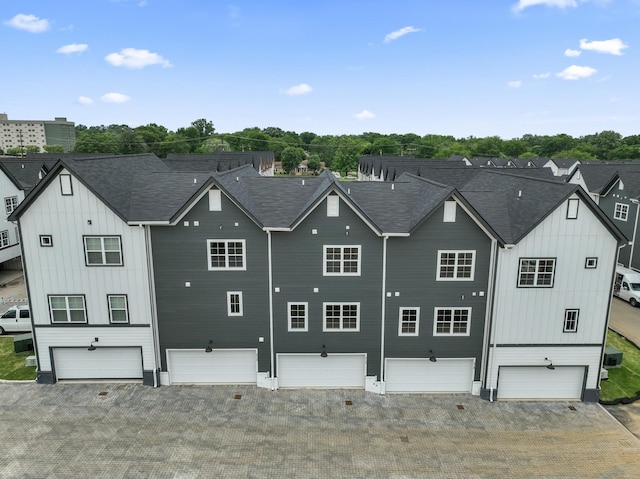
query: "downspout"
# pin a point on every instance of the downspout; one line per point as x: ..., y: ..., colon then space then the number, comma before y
x: 383, y: 310
x: 492, y: 349
x: 633, y: 240
x: 152, y: 304
x: 489, y: 309
x: 271, y: 349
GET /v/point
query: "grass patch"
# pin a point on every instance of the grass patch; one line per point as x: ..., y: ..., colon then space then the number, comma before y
x: 624, y: 381
x: 12, y: 364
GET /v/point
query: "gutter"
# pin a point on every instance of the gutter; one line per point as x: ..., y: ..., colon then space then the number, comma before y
x: 271, y: 347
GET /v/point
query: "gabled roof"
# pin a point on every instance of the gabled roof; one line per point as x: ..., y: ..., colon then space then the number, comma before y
x: 599, y: 177
x: 565, y: 162
x: 24, y: 173
x: 222, y: 161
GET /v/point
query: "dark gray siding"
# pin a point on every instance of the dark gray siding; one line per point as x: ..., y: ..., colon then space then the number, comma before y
x: 190, y: 317
x: 411, y: 271
x: 607, y: 205
x: 298, y: 269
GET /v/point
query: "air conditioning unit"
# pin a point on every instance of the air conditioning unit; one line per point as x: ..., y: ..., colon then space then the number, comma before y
x: 612, y: 357
x: 604, y: 374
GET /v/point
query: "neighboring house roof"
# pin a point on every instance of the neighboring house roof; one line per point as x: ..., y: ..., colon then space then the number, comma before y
x: 565, y: 162
x: 221, y: 161
x: 24, y: 173
x: 599, y: 177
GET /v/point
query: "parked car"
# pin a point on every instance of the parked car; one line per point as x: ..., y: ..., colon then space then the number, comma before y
x: 627, y: 285
x: 15, y: 319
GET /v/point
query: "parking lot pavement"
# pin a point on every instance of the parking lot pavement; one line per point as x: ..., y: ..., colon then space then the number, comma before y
x: 130, y: 431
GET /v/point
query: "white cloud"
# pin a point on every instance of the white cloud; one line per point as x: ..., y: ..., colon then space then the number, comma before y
x: 114, y: 98
x: 541, y: 76
x: 514, y: 84
x: 296, y: 90
x: 134, y: 58
x: 73, y: 48
x: 572, y: 53
x: 29, y: 23
x: 613, y: 46
x: 364, y: 115
x: 575, y: 72
x: 399, y: 33
x: 85, y: 100
x: 522, y: 4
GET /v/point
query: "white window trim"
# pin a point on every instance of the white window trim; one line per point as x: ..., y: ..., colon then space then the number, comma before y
x: 68, y: 310
x: 230, y: 294
x: 306, y: 317
x: 452, y: 309
x: 449, y: 215
x: 10, y: 204
x: 46, y: 241
x: 333, y: 206
x: 536, y: 285
x: 215, y: 200
x: 341, y: 329
x: 341, y: 273
x: 400, y: 322
x: 227, y: 267
x: 455, y: 277
x: 567, y: 312
x: 103, y: 251
x: 111, y: 309
x: 591, y: 263
x: 4, y: 238
x: 621, y: 214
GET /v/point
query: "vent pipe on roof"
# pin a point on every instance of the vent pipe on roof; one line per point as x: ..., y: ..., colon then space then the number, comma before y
x: 195, y: 180
x: 302, y: 182
x: 393, y: 186
x: 22, y: 165
x: 348, y: 191
x: 519, y: 193
x: 237, y: 179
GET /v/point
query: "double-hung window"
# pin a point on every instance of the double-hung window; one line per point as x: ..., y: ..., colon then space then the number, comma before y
x: 341, y: 317
x: 118, y: 309
x: 456, y: 265
x: 571, y: 320
x: 234, y: 303
x: 103, y: 250
x: 10, y: 204
x: 342, y: 260
x: 67, y: 309
x: 4, y: 238
x: 409, y: 321
x: 621, y: 212
x: 227, y: 255
x: 536, y: 272
x: 451, y: 321
x: 298, y: 319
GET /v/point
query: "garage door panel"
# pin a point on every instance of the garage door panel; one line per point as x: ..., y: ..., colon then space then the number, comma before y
x: 540, y: 382
x: 422, y: 375
x: 314, y: 371
x: 101, y: 363
x: 220, y: 366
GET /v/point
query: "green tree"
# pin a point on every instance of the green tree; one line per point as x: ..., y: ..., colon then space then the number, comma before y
x: 32, y: 149
x: 313, y: 163
x: 54, y: 148
x: 348, y: 149
x: 576, y: 153
x: 291, y: 158
x: 603, y: 143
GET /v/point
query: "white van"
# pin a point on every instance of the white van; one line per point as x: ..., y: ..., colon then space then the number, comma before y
x: 627, y: 285
x: 15, y: 319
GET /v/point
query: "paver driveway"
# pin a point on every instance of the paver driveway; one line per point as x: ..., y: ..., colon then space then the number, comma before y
x: 75, y: 430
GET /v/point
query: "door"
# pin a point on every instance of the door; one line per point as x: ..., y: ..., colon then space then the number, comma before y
x: 220, y: 366
x: 101, y: 363
x: 337, y: 370
x: 538, y: 382
x: 421, y: 375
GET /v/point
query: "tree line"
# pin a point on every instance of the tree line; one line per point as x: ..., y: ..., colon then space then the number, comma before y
x: 341, y: 152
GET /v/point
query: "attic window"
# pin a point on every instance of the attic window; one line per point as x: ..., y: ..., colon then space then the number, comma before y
x: 572, y: 208
x: 333, y: 205
x: 449, y: 211
x: 215, y: 200
x: 66, y: 187
x: 46, y: 241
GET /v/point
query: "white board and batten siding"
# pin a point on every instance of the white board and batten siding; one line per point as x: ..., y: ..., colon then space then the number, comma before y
x: 78, y: 337
x: 419, y: 375
x: 563, y: 358
x: 337, y: 370
x: 8, y: 190
x: 536, y: 315
x: 220, y: 366
x: 61, y: 269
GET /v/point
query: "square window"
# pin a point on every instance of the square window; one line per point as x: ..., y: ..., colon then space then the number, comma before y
x: 46, y: 241
x: 409, y: 321
x: 118, y: 309
x: 341, y: 317
x: 234, y: 303
x: 298, y: 316
x: 341, y: 261
x: 456, y: 265
x: 103, y: 251
x: 591, y: 263
x: 67, y: 309
x: 536, y: 272
x: 621, y: 212
x: 571, y: 320
x: 226, y: 255
x: 451, y: 321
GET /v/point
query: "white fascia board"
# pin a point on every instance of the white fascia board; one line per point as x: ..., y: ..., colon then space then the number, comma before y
x: 268, y: 228
x: 148, y: 223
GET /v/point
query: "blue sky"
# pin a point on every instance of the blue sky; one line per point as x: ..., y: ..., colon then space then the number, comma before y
x: 462, y: 68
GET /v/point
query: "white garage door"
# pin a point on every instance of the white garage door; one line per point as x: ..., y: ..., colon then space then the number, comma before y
x: 314, y: 371
x: 220, y: 366
x: 540, y: 382
x: 102, y: 363
x: 422, y: 375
